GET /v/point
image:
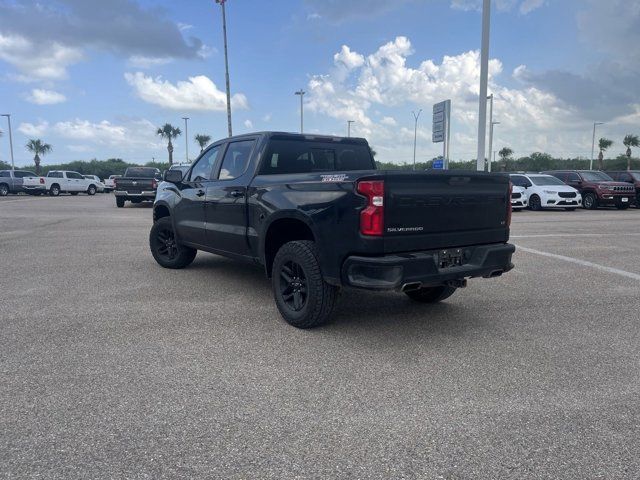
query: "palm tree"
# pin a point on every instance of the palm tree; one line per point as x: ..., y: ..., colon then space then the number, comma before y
x: 505, y: 155
x: 169, y: 132
x: 630, y: 141
x: 202, y: 140
x: 603, y: 145
x: 38, y: 147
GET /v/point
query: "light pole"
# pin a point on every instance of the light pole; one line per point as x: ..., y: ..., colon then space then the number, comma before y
x: 484, y: 77
x: 301, y: 92
x: 186, y: 138
x: 226, y: 64
x: 491, y: 143
x: 349, y: 122
x: 490, y: 98
x: 8, y: 115
x: 415, y: 134
x: 593, y: 143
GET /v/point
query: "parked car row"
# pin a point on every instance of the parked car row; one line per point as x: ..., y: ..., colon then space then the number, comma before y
x: 54, y: 183
x: 570, y: 189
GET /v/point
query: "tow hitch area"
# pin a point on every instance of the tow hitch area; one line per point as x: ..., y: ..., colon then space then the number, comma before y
x: 450, y: 258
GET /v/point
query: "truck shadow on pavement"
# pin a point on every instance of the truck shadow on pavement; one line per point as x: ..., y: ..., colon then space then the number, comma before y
x: 356, y: 310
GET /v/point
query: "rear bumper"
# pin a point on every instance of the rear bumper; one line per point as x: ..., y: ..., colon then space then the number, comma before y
x: 33, y: 188
x: 391, y: 272
x: 151, y: 195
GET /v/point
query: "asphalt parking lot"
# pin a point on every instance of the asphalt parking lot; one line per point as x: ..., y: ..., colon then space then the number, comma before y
x: 112, y: 367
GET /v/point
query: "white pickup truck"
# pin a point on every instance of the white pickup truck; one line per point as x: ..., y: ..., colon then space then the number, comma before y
x: 59, y: 181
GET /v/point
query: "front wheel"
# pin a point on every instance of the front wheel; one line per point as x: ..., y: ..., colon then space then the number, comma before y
x: 91, y: 190
x: 119, y: 202
x: 590, y: 201
x: 535, y: 203
x: 165, y: 248
x: 431, y: 294
x: 302, y: 296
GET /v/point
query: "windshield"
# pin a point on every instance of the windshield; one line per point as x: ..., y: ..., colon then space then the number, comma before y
x: 182, y: 168
x: 544, y: 180
x: 596, y: 177
x: 142, y: 172
x: 635, y: 175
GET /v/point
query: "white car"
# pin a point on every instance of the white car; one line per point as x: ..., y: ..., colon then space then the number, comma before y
x: 519, y: 198
x: 99, y: 184
x: 546, y: 191
x: 110, y: 183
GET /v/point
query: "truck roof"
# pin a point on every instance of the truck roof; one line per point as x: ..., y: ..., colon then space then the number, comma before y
x: 302, y: 136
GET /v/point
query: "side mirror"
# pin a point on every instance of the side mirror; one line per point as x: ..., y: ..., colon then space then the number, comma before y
x: 172, y: 176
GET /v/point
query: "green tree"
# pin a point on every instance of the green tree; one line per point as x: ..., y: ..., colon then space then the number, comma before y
x: 630, y: 141
x: 38, y: 147
x: 202, y: 140
x: 505, y: 155
x: 169, y: 132
x: 603, y: 145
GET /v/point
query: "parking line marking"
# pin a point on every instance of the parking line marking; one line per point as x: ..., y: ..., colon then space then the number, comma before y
x: 584, y: 263
x: 577, y: 235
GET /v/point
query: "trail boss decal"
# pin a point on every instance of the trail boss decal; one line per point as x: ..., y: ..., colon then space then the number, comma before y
x: 334, y: 178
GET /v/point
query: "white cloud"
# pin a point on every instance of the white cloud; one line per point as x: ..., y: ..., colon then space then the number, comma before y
x: 41, y: 61
x: 248, y: 124
x: 33, y: 130
x: 348, y: 58
x: 385, y: 80
x: 198, y: 93
x: 102, y: 132
x: 40, y: 96
x: 530, y: 5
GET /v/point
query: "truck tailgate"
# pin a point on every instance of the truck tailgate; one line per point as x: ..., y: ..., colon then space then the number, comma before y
x: 135, y: 185
x: 430, y: 210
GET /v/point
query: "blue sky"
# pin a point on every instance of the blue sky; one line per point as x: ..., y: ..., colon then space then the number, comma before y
x: 95, y: 79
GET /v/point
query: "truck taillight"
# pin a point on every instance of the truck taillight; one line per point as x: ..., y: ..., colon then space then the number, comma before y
x: 509, y: 209
x: 154, y: 184
x: 372, y: 217
x: 115, y: 182
x: 41, y: 181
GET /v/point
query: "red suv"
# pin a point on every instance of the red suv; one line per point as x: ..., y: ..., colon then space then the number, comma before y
x: 597, y: 188
x: 628, y: 176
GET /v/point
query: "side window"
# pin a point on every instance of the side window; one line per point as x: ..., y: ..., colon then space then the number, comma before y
x: 75, y: 176
x: 236, y: 159
x: 572, y: 177
x: 625, y: 177
x: 203, y: 169
x: 520, y: 181
x: 54, y: 175
x: 4, y: 174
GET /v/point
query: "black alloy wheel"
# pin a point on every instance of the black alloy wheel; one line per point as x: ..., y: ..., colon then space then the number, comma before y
x: 535, y: 203
x: 166, y: 245
x: 294, y: 287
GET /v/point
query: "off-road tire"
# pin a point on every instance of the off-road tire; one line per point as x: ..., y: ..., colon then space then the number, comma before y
x: 4, y: 189
x: 431, y: 294
x: 119, y: 202
x: 174, y: 256
x: 317, y: 296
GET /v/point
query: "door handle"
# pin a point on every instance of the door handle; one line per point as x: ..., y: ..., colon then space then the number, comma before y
x: 236, y: 193
x: 200, y: 193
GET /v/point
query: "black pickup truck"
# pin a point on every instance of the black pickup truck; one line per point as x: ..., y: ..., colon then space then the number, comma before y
x: 137, y: 185
x: 318, y: 216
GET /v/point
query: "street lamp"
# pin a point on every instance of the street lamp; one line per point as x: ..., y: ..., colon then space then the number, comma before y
x: 349, y: 122
x: 491, y: 142
x: 593, y: 143
x: 8, y: 115
x: 301, y: 92
x: 186, y: 138
x: 415, y: 134
x: 484, y: 77
x: 226, y: 64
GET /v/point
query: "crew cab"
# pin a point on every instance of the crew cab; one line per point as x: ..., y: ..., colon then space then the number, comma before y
x: 59, y: 181
x: 631, y: 177
x: 547, y: 191
x: 315, y: 213
x: 13, y: 181
x: 138, y: 184
x: 597, y: 188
